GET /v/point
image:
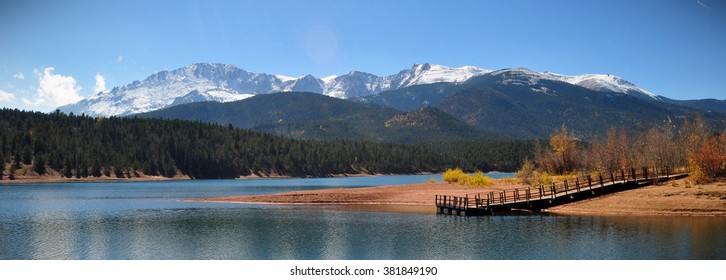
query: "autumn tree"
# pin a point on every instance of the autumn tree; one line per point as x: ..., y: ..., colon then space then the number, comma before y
x: 563, y: 156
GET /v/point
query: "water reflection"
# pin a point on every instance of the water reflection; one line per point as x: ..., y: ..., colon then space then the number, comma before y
x: 300, y: 233
x: 125, y: 221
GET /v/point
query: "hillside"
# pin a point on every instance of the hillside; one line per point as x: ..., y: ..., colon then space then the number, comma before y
x: 77, y: 146
x: 523, y: 104
x: 314, y: 116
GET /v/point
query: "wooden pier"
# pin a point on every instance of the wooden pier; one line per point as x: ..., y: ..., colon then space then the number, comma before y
x: 538, y: 198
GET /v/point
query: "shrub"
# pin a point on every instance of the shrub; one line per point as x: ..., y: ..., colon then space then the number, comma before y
x: 542, y: 178
x: 457, y: 176
x: 525, y: 175
x: 479, y: 180
x: 697, y: 176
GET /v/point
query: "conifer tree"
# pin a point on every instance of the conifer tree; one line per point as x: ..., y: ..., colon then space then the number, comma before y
x: 39, y: 165
x: 67, y: 169
x: 11, y: 175
x: 96, y: 169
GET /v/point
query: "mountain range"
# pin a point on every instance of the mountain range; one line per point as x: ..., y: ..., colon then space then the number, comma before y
x: 225, y: 83
x: 427, y: 101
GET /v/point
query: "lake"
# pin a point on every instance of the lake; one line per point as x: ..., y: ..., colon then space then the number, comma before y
x: 148, y: 220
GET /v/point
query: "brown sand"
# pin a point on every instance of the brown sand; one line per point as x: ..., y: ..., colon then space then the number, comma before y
x: 415, y: 194
x: 668, y: 199
x: 675, y: 198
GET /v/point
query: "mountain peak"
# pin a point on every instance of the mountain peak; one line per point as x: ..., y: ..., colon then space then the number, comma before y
x: 221, y: 82
x: 605, y: 83
x: 421, y: 67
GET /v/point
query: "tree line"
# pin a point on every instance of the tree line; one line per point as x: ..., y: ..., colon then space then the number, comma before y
x: 692, y: 145
x: 82, y: 146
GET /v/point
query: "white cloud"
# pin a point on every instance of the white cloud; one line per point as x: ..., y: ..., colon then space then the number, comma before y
x: 55, y: 89
x: 100, y: 84
x: 119, y: 58
x: 704, y: 5
x: 19, y: 76
x: 6, y: 96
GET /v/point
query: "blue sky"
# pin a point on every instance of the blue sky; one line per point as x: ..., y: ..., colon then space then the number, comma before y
x: 55, y: 52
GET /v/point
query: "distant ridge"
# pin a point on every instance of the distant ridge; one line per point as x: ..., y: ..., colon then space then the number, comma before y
x: 224, y: 83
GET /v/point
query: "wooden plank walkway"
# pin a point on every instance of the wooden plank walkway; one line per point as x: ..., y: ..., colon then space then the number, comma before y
x: 542, y: 197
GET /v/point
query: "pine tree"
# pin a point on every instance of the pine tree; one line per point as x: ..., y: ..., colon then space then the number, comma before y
x: 67, y: 169
x: 11, y: 176
x: 84, y: 169
x: 39, y: 165
x: 119, y: 172
x: 16, y: 160
x: 27, y: 155
x: 96, y: 169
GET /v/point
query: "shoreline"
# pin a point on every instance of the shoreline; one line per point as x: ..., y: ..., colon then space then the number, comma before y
x: 56, y: 178
x: 673, y: 198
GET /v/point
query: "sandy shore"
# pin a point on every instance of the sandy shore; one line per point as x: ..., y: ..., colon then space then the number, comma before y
x: 669, y: 199
x: 675, y: 198
x: 415, y: 194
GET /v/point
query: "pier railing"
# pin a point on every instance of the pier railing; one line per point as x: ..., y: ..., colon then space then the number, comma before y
x: 552, y: 191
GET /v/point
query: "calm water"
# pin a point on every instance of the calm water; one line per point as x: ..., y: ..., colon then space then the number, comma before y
x: 147, y: 220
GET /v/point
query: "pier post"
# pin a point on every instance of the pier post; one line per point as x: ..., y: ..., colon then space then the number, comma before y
x: 541, y: 191
x: 602, y: 184
x: 645, y: 171
x: 554, y: 190
x: 589, y: 181
x: 566, y: 187
x: 577, y: 184
x: 529, y: 193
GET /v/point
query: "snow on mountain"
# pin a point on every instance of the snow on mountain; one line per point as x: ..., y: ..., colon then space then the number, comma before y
x: 356, y: 83
x: 217, y: 95
x: 225, y: 83
x: 606, y: 83
x: 524, y: 77
x: 306, y: 83
x: 197, y: 82
x: 430, y: 73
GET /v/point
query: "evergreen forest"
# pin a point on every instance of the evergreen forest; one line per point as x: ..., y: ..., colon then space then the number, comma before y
x: 33, y: 143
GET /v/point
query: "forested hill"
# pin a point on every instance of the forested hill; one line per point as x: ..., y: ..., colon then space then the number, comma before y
x: 79, y: 146
x: 314, y: 116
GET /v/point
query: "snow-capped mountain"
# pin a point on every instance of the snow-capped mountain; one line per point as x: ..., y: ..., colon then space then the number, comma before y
x: 217, y: 95
x: 224, y: 83
x: 197, y: 82
x: 606, y: 83
x: 356, y: 83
